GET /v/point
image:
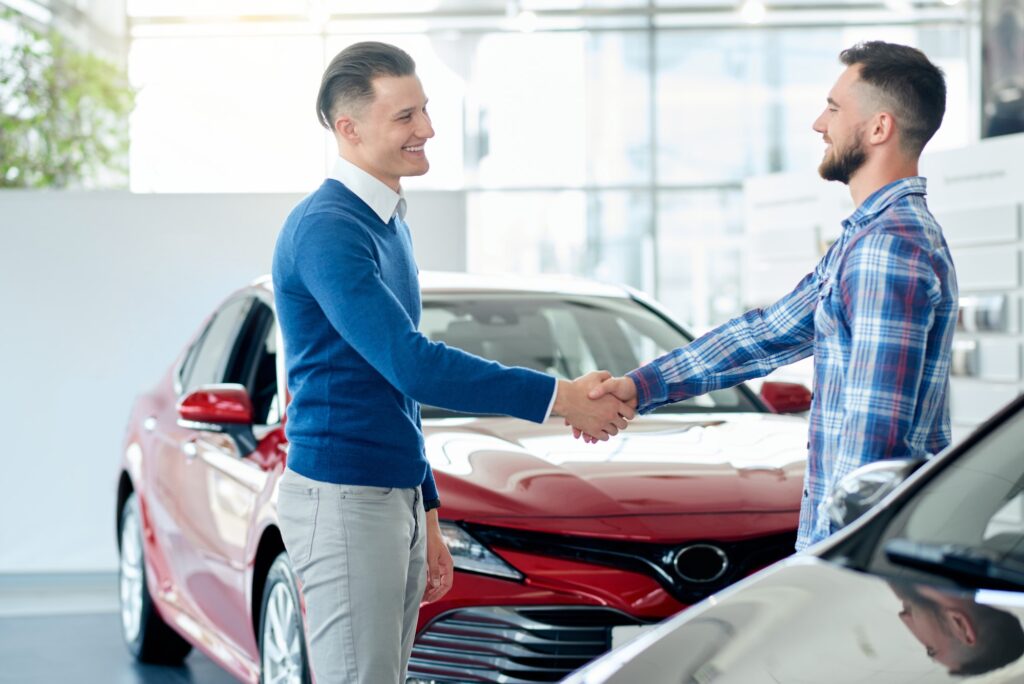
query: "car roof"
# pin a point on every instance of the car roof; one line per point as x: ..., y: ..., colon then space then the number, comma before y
x: 442, y: 282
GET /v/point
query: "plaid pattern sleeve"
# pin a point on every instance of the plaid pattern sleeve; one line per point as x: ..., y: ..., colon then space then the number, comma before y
x: 748, y: 346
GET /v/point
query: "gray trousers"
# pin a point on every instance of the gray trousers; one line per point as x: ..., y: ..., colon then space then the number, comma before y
x: 360, y: 553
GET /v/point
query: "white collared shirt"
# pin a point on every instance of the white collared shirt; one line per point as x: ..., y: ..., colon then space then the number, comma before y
x: 385, y: 203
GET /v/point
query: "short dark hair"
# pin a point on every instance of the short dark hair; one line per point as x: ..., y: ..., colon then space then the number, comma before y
x: 348, y: 79
x: 1000, y: 640
x: 913, y: 87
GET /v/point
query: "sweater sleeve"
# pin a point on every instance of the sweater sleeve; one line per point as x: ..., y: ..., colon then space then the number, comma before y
x: 336, y: 262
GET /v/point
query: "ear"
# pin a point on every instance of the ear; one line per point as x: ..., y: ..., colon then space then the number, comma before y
x: 346, y: 129
x: 881, y: 128
x: 963, y: 628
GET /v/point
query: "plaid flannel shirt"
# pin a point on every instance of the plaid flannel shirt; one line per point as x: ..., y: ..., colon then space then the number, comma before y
x: 878, y: 314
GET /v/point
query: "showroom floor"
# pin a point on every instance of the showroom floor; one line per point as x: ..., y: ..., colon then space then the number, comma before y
x: 61, y: 629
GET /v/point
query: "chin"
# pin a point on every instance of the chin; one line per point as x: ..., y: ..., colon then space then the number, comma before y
x: 418, y: 170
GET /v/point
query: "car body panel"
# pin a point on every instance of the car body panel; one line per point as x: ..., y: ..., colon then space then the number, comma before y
x: 731, y: 464
x: 803, y: 620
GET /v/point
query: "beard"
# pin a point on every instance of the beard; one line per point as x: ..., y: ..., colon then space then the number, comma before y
x: 840, y: 165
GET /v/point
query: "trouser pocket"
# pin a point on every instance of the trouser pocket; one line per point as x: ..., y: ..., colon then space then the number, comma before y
x: 297, y: 509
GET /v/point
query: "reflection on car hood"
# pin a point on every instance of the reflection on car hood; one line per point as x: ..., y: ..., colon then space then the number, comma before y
x: 689, y: 464
x: 806, y: 620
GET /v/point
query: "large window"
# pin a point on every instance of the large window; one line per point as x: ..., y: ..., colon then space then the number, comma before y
x: 612, y: 142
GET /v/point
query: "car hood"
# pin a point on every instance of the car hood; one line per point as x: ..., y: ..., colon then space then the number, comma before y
x: 709, y: 465
x: 806, y: 620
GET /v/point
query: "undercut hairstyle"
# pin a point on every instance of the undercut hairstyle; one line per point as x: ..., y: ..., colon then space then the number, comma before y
x: 912, y: 88
x: 1000, y: 641
x: 347, y: 84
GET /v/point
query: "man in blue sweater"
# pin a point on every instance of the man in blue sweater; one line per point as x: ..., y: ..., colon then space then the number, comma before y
x: 358, y: 503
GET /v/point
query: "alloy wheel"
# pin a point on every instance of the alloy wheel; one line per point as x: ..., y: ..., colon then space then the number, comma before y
x: 131, y: 576
x: 282, y: 639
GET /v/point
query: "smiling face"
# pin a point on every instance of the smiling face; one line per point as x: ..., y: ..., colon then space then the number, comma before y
x: 842, y: 126
x: 388, y: 135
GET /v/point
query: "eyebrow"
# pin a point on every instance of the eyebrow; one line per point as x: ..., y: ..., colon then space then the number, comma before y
x: 408, y: 110
x: 831, y: 102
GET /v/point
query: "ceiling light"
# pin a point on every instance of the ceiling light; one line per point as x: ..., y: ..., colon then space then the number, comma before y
x: 752, y: 11
x: 526, y: 21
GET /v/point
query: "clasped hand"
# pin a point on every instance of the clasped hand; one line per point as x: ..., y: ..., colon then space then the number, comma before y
x: 594, y: 411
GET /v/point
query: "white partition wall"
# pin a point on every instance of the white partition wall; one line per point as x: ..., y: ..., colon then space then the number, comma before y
x: 977, y: 194
x: 99, y: 291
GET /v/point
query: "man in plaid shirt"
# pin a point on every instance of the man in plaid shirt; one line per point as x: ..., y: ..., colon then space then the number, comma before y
x: 877, y: 312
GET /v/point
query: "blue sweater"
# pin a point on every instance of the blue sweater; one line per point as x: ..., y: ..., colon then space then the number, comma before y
x: 348, y: 302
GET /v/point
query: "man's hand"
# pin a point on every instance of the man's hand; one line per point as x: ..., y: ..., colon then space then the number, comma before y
x: 623, y: 389
x: 440, y: 567
x: 602, y: 417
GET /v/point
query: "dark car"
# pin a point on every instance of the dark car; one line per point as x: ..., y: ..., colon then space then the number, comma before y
x: 927, y: 586
x: 561, y: 548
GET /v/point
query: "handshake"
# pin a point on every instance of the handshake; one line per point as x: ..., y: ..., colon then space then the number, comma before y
x: 596, y: 405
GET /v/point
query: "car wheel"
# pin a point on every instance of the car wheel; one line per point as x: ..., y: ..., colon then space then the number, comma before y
x: 147, y: 636
x: 283, y: 658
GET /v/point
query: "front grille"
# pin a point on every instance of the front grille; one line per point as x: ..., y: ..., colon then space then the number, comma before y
x: 653, y: 559
x: 512, y: 645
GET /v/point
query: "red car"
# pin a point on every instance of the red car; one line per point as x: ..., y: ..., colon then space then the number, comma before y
x: 561, y: 548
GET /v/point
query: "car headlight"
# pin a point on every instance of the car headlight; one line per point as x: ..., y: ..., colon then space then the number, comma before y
x: 469, y: 554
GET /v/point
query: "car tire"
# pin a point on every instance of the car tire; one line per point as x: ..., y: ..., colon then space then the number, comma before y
x: 283, y: 656
x: 148, y: 637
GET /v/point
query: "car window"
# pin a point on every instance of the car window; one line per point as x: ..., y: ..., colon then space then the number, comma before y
x: 207, y: 361
x: 976, y: 502
x: 565, y: 336
x: 263, y: 390
x: 253, y: 363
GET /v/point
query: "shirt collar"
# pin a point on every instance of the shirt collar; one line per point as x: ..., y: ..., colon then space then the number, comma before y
x: 384, y: 201
x: 886, y: 195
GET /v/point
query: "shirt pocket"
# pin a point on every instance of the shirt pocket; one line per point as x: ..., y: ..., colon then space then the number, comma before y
x: 826, y: 321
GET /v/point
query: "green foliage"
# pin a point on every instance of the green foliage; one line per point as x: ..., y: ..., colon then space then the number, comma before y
x: 63, y: 114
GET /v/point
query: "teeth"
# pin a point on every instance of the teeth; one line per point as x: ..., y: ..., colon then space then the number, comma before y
x: 413, y: 149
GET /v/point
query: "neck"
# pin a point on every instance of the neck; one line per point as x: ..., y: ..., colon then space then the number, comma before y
x: 352, y: 158
x: 877, y: 174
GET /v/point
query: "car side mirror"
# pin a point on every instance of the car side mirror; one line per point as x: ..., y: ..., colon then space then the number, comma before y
x: 866, y: 486
x: 222, y: 408
x: 786, y: 397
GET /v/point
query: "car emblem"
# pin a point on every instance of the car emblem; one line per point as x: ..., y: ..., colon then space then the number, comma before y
x: 700, y: 563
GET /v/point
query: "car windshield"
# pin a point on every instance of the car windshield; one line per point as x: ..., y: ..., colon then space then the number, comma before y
x: 565, y: 336
x: 966, y: 523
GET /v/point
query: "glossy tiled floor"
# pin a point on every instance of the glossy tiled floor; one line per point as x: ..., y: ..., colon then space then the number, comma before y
x: 69, y: 632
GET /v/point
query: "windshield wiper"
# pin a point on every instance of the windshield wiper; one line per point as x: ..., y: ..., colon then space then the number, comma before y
x: 969, y: 566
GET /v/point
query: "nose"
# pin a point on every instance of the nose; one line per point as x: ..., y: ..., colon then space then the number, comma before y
x: 819, y: 123
x: 425, y: 129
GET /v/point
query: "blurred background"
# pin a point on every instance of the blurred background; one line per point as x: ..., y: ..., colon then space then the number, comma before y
x: 152, y: 148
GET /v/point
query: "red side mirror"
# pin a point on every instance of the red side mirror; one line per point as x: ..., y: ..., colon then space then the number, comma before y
x: 786, y: 397
x: 227, y: 404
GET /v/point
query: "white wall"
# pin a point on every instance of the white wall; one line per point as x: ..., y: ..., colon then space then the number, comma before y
x: 98, y: 292
x: 977, y: 195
